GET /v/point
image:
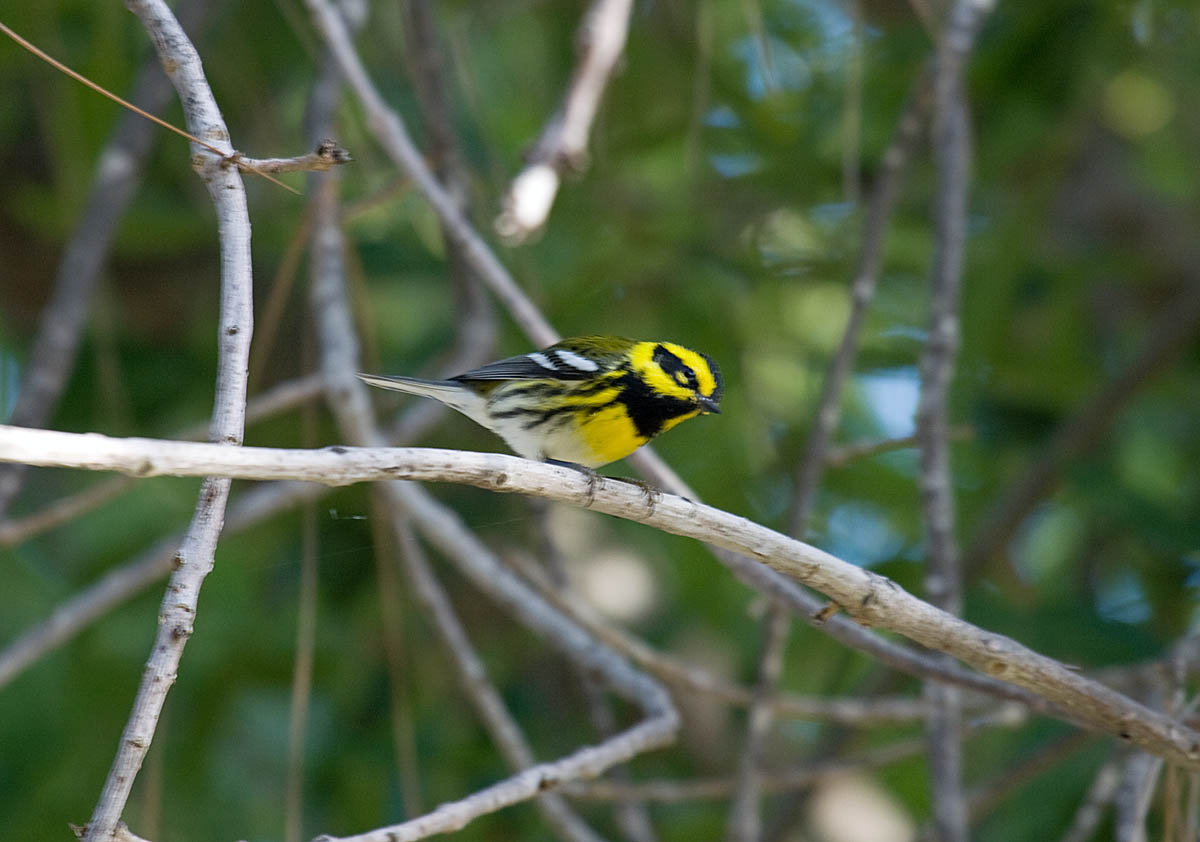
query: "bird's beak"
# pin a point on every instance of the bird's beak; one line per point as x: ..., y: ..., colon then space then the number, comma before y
x: 707, y: 404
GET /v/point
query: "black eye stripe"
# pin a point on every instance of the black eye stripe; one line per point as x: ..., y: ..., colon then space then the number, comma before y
x: 675, y: 368
x: 672, y: 365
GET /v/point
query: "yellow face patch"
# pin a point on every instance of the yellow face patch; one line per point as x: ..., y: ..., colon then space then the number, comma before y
x: 675, y: 384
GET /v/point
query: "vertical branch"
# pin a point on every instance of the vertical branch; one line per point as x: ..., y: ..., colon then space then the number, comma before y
x: 118, y: 173
x: 943, y: 578
x: 862, y: 293
x: 195, y: 557
x: 302, y: 672
x: 744, y: 819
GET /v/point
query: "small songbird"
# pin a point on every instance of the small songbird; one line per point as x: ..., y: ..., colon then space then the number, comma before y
x: 586, y: 401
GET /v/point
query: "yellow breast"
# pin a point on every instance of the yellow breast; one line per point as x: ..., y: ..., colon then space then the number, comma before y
x: 610, y: 435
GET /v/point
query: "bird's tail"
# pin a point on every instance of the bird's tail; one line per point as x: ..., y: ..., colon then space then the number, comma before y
x: 450, y: 392
x: 436, y: 389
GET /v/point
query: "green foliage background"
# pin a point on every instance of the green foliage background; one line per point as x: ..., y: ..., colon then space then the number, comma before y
x: 715, y: 213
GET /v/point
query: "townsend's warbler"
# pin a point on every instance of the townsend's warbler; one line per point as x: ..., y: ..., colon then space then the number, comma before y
x: 586, y: 401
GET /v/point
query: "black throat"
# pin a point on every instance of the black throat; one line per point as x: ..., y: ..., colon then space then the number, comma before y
x: 649, y: 411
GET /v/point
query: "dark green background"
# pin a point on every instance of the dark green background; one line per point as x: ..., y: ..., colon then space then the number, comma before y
x: 715, y: 214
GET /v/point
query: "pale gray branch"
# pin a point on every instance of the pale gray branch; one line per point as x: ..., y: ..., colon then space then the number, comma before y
x: 869, y: 598
x: 195, y: 556
x: 585, y: 763
x: 943, y: 574
x: 279, y: 398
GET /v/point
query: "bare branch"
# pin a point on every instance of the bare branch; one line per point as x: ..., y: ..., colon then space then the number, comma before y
x: 744, y: 822
x: 195, y: 556
x: 562, y: 146
x: 325, y: 157
x: 279, y: 398
x: 871, y: 599
x: 350, y: 406
x: 943, y: 574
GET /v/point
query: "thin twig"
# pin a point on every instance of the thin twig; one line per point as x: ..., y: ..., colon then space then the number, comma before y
x: 195, y: 557
x: 325, y: 157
